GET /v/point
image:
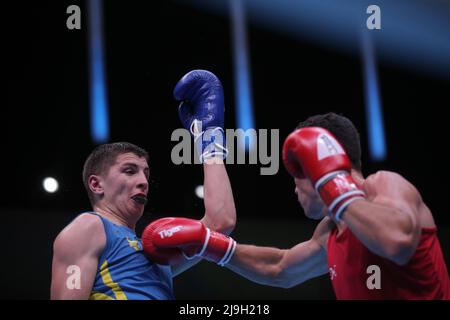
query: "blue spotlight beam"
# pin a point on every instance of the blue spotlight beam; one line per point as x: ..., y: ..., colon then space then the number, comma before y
x: 245, y: 118
x: 98, y: 92
x: 414, y: 33
x: 374, y: 114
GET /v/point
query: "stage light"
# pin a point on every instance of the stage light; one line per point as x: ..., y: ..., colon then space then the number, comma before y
x: 374, y: 112
x: 50, y: 185
x: 199, y: 192
x: 98, y: 90
x: 242, y: 79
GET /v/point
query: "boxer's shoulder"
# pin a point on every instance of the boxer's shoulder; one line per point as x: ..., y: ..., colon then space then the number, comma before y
x: 386, y: 175
x: 85, y: 222
x: 391, y: 185
x: 400, y: 193
x: 85, y: 231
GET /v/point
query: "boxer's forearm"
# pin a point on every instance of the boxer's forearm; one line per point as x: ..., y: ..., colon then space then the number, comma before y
x: 258, y: 264
x: 220, y: 212
x: 277, y: 267
x: 384, y: 230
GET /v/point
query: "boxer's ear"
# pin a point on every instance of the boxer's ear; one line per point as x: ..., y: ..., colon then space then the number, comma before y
x: 95, y: 184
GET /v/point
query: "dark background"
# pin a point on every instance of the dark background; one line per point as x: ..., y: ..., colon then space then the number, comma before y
x: 149, y: 46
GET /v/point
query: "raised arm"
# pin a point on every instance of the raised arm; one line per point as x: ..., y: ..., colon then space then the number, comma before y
x: 220, y: 211
x: 75, y: 252
x: 388, y: 223
x: 201, y: 111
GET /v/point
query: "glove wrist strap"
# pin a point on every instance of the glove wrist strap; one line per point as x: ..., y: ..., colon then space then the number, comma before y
x: 209, y: 143
x: 229, y: 254
x: 338, y: 190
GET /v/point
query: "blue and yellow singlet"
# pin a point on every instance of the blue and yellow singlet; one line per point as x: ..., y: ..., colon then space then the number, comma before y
x: 124, y: 271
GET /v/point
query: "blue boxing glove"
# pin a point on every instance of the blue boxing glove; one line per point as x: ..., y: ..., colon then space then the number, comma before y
x: 202, y: 112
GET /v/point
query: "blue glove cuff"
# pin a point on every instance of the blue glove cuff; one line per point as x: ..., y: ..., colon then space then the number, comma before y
x: 209, y: 143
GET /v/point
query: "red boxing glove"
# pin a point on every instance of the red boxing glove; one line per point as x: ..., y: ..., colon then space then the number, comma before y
x: 167, y: 256
x: 166, y: 240
x: 314, y: 153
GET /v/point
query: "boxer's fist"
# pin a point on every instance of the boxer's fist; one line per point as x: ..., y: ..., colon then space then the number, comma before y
x: 201, y: 96
x: 202, y: 111
x: 186, y: 237
x: 314, y: 153
x: 167, y: 256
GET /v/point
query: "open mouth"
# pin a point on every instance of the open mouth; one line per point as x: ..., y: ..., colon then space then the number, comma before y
x: 141, y: 199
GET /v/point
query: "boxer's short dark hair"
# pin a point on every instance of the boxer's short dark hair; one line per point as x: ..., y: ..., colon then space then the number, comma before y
x: 344, y: 131
x: 103, y: 157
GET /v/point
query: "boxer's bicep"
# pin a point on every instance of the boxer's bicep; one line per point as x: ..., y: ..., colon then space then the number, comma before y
x: 76, y: 251
x: 387, y: 223
x: 405, y: 201
x: 406, y: 206
x: 72, y: 276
